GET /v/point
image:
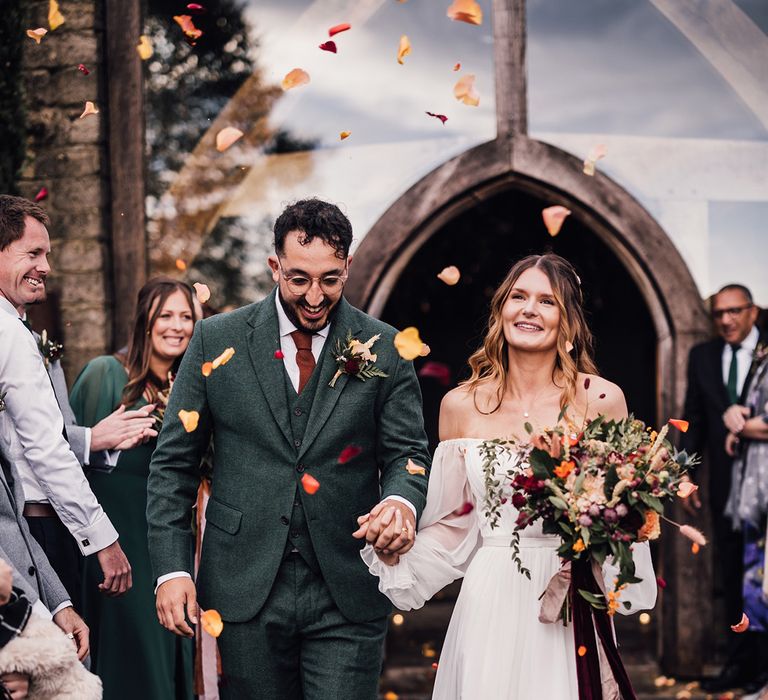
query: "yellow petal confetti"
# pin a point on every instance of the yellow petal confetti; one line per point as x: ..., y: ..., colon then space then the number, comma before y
x: 404, y: 49
x: 554, y: 217
x: 189, y: 419
x: 90, y: 108
x: 413, y: 468
x: 295, y: 78
x: 55, y: 18
x: 226, y: 137
x: 450, y: 275
x: 344, y: 135
x: 207, y: 368
x: 408, y: 343
x: 595, y: 154
x: 465, y: 92
x: 212, y: 622
x: 465, y: 11
x: 37, y: 34
x: 144, y: 47
x: 222, y: 359
x: 202, y: 292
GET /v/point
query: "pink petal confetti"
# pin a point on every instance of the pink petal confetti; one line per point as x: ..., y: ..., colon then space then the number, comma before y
x: 742, y: 625
x: 348, y: 453
x: 337, y: 29
x: 413, y: 469
x: 450, y: 275
x: 438, y: 371
x: 328, y: 46
x: 202, y: 292
x: 554, y: 217
x: 195, y: 8
x: 42, y: 194
x: 464, y: 508
x: 81, y: 67
x: 279, y: 355
x: 693, y: 534
x: 686, y: 488
x: 37, y: 34
x: 441, y: 117
x: 464, y: 91
x: 295, y: 78
x: 90, y: 108
x: 595, y: 154
x: 226, y: 137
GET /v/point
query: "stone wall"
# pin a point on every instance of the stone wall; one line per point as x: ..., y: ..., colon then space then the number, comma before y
x: 68, y: 156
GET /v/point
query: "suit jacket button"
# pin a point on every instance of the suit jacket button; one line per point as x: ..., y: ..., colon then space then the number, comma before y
x: 31, y: 571
x: 284, y: 520
x: 297, y: 443
x: 297, y: 411
x: 300, y: 468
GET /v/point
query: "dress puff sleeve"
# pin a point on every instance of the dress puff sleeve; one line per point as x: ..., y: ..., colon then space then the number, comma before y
x: 445, y: 541
x: 640, y: 596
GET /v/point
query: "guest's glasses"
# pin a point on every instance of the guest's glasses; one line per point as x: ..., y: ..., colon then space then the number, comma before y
x: 301, y: 284
x: 718, y: 314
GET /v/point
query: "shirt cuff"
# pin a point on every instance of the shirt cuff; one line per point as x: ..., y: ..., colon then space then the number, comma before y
x: 96, y: 537
x: 111, y: 457
x: 87, y: 447
x: 167, y: 577
x: 402, y: 500
x: 40, y: 610
x: 61, y: 606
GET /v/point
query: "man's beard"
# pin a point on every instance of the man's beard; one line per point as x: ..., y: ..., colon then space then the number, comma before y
x: 295, y: 319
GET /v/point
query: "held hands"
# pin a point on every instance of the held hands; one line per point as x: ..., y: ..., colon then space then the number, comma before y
x: 74, y: 626
x: 116, y: 569
x: 122, y: 430
x: 731, y: 444
x: 390, y: 527
x: 735, y: 418
x: 173, y: 597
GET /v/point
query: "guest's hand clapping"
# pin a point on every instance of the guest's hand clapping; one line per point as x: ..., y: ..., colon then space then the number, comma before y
x: 122, y: 430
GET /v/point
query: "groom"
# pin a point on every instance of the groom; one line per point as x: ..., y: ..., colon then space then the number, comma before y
x: 302, y: 616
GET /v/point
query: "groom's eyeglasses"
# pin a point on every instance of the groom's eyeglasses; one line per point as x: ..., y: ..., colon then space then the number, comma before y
x: 718, y: 314
x: 301, y: 284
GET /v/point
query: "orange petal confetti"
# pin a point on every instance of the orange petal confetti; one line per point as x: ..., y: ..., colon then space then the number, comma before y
x: 344, y: 135
x: 390, y: 695
x: 464, y: 91
x: 37, y: 34
x: 329, y: 46
x: 90, y: 108
x: 457, y: 68
x: 554, y: 217
x: 226, y: 137
x: 434, y: 666
x: 310, y: 484
x: 742, y: 625
x: 349, y: 452
x: 404, y: 49
x: 681, y: 425
x: 337, y: 29
x: 144, y: 47
x: 180, y: 265
x: 686, y: 488
x: 81, y: 67
x: 582, y: 650
x: 202, y: 292
x: 595, y: 154
x: 465, y: 11
x: 188, y: 27
x: 295, y: 78
x: 695, y: 548
x: 55, y: 18
x: 413, y: 468
x: 441, y: 117
x: 425, y: 350
x: 189, y: 420
x: 408, y: 343
x: 693, y: 534
x: 212, y: 622
x: 207, y: 369
x: 225, y: 357
x: 450, y: 275
x: 42, y: 194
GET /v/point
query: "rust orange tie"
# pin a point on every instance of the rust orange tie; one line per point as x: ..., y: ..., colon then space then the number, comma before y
x: 304, y: 357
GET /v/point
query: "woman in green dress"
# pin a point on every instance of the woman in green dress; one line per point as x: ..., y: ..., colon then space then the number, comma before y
x: 134, y: 656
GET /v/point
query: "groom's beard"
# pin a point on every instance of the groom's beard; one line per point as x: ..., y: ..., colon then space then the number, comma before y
x: 295, y: 318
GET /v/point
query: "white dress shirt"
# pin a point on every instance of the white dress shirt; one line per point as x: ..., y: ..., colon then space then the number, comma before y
x: 743, y: 359
x: 31, y: 429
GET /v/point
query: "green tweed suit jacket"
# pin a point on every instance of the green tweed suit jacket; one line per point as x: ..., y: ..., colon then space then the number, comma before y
x: 257, y: 466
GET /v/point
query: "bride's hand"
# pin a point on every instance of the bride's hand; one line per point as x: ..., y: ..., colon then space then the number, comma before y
x: 388, y: 559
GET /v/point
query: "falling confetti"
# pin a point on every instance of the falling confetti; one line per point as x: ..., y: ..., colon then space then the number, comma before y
x: 344, y: 135
x: 414, y: 469
x: 225, y: 357
x: 279, y: 355
x: 742, y: 625
x: 55, y: 18
x: 295, y: 78
x: 457, y: 68
x: 226, y: 137
x: 595, y: 154
x: 450, y: 275
x: 464, y: 508
x: 441, y: 117
x: 348, y: 453
x: 180, y: 265
x: 42, y: 194
x: 390, y: 695
x: 695, y: 548
x: 202, y: 292
x: 644, y: 618
x: 464, y: 91
x: 81, y: 67
x: 90, y: 108
x: 661, y: 582
x: 408, y: 343
x: 212, y: 622
x: 438, y: 371
x: 328, y: 46
x: 189, y: 419
x: 681, y: 425
x: 144, y: 47
x: 187, y: 24
x: 207, y: 368
x: 310, y: 484
x: 404, y: 49
x: 195, y: 8
x: 582, y: 650
x: 434, y: 666
x: 467, y: 11
x: 337, y: 29
x: 37, y: 34
x: 554, y: 217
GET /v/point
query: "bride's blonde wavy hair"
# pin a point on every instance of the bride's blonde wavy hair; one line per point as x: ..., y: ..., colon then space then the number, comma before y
x: 489, y: 363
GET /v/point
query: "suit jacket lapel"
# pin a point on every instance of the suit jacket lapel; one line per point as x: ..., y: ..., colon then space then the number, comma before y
x: 716, y: 372
x: 263, y: 342
x: 325, y: 395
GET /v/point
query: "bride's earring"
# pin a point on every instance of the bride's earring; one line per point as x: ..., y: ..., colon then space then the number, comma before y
x: 568, y: 346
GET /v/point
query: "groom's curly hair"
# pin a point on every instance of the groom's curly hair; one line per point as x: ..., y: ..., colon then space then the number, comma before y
x: 315, y: 218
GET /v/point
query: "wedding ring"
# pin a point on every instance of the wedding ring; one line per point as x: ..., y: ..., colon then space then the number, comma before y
x: 404, y: 530
x: 70, y: 636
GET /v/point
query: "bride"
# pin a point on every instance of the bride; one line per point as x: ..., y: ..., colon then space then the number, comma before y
x: 533, y: 362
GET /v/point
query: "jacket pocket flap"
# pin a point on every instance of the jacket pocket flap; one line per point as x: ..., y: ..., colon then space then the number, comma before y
x: 223, y: 516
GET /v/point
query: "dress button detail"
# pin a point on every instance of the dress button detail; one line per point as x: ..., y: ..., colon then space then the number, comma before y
x: 31, y: 571
x: 284, y: 520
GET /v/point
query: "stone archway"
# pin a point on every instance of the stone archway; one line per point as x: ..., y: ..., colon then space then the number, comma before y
x: 644, y: 251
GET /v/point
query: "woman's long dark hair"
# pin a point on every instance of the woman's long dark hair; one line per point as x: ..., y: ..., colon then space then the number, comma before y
x: 139, y: 351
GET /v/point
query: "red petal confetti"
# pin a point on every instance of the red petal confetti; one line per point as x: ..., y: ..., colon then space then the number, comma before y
x: 661, y: 583
x: 328, y: 46
x: 279, y: 355
x: 81, y: 67
x: 41, y: 195
x: 195, y: 8
x: 310, y: 484
x: 582, y: 650
x: 457, y: 67
x: 602, y: 396
x: 348, y: 453
x: 434, y: 666
x: 464, y: 508
x: 742, y: 625
x: 441, y: 117
x: 337, y: 29
x: 681, y: 425
x: 553, y: 218
x: 436, y: 370
x: 586, y: 383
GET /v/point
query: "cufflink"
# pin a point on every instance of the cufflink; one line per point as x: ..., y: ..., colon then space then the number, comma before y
x: 85, y: 543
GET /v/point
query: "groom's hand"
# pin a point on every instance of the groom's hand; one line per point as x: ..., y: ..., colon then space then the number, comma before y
x: 173, y: 597
x: 390, y: 527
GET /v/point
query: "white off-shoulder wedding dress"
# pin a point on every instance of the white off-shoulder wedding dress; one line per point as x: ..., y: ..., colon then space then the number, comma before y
x: 495, y: 647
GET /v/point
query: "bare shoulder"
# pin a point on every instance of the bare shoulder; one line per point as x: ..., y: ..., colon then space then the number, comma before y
x: 454, y: 409
x: 603, y: 397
